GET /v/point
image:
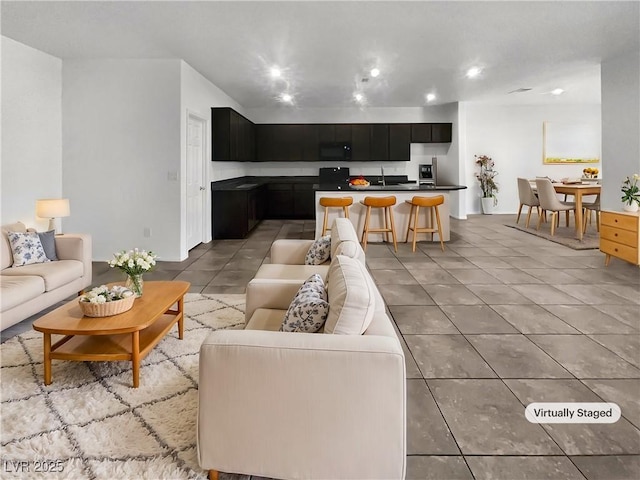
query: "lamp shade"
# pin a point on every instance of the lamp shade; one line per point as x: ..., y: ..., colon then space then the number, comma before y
x: 53, y: 208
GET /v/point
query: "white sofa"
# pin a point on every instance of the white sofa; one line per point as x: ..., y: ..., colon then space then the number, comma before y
x: 26, y: 290
x: 287, y: 255
x: 304, y: 405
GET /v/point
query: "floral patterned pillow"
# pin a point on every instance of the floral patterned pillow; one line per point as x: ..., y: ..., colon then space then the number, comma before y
x: 309, y: 309
x: 319, y: 252
x: 26, y: 248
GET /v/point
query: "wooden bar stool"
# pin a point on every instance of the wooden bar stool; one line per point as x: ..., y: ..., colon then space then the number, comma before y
x: 432, y: 204
x: 330, y: 202
x: 389, y: 226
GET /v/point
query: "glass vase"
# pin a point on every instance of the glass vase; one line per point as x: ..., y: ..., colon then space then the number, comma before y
x: 135, y: 284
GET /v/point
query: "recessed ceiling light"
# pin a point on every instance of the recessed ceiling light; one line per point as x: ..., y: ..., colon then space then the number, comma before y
x: 431, y: 97
x: 358, y: 97
x: 557, y: 91
x: 473, y: 72
x: 374, y: 72
x: 285, y: 97
x: 275, y: 72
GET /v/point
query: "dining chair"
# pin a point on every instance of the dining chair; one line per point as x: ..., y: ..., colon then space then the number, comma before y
x: 528, y: 198
x: 588, y: 208
x: 549, y: 202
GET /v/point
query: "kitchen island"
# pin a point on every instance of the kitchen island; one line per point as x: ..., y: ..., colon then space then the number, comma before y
x: 401, y: 210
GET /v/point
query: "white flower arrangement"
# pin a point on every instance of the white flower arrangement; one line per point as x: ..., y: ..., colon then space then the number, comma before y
x: 103, y: 294
x: 134, y: 262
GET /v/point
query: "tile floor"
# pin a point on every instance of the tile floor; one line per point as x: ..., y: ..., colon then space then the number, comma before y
x: 499, y: 319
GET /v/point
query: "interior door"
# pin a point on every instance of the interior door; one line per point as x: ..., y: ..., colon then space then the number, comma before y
x: 195, y: 181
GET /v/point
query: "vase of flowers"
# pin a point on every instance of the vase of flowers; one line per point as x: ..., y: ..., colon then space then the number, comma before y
x: 134, y: 263
x: 630, y: 193
x: 486, y: 176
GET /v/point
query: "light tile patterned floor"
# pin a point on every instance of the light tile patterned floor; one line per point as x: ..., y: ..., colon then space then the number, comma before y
x: 500, y: 319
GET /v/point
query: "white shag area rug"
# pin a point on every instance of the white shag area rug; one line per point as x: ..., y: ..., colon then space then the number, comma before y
x: 91, y: 424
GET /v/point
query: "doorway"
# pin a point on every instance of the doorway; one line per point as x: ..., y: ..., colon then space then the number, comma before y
x: 196, y: 199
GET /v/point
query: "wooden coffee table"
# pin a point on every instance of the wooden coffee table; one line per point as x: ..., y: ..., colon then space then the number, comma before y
x: 129, y: 336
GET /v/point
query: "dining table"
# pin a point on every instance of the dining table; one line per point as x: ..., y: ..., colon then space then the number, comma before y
x: 578, y: 190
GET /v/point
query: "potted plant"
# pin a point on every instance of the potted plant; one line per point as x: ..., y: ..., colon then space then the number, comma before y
x: 488, y: 185
x: 631, y: 193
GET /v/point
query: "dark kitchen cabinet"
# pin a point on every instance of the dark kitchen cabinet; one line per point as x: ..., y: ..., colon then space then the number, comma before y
x: 431, y: 132
x: 280, y: 200
x: 304, y: 202
x: 334, y: 132
x: 420, y: 133
x: 399, y: 141
x: 361, y: 142
x: 281, y: 143
x: 233, y: 136
x: 310, y: 143
x: 235, y: 213
x: 379, y: 144
x: 441, y: 132
x: 291, y: 200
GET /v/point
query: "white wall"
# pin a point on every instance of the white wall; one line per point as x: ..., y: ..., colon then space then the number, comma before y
x: 121, y: 150
x: 198, y: 95
x: 620, y: 125
x: 31, y: 132
x: 512, y: 136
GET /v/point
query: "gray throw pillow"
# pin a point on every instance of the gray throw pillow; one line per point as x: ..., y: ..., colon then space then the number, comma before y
x: 309, y: 309
x: 319, y: 252
x: 48, y: 240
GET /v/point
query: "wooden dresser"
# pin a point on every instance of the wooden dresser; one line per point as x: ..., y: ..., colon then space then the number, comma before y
x: 619, y: 236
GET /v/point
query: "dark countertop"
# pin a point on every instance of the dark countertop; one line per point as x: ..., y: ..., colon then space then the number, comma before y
x: 390, y: 188
x: 251, y: 182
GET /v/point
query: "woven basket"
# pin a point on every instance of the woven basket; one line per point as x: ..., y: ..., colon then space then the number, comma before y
x: 107, y: 309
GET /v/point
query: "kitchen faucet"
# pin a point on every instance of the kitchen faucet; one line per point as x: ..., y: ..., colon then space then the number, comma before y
x: 382, y: 172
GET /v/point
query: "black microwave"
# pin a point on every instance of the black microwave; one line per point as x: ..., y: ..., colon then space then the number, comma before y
x: 335, y: 151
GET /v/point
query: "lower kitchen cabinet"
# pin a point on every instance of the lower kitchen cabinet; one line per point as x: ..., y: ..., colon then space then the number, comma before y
x: 620, y: 236
x: 290, y: 201
x: 234, y: 213
x: 304, y: 201
x: 280, y: 200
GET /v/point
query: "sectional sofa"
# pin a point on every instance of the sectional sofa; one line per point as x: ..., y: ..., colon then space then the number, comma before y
x: 297, y: 405
x: 28, y: 289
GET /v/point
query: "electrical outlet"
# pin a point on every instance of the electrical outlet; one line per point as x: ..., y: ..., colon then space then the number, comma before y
x: 172, y: 176
x: 146, y: 232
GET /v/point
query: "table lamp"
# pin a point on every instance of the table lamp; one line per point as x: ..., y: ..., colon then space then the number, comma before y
x: 52, y: 208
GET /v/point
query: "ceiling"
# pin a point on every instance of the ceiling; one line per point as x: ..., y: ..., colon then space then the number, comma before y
x: 325, y: 49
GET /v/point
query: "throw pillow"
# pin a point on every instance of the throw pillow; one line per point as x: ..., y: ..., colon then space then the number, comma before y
x: 319, y: 251
x: 309, y: 309
x: 48, y: 240
x: 352, y: 295
x: 26, y: 248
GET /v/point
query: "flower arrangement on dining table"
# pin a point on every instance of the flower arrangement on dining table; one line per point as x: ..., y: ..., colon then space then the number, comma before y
x: 631, y: 191
x: 134, y: 263
x: 486, y: 177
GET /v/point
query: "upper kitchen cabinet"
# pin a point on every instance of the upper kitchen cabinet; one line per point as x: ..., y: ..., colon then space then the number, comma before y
x: 361, y: 142
x: 430, y: 133
x: 379, y: 141
x: 233, y: 136
x: 441, y: 132
x: 281, y: 142
x: 420, y: 133
x: 399, y: 142
x: 333, y: 132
